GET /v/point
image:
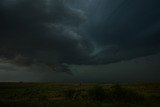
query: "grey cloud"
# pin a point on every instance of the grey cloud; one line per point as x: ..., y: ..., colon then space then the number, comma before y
x: 79, y: 31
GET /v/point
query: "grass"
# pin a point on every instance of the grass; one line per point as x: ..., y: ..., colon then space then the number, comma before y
x: 79, y: 95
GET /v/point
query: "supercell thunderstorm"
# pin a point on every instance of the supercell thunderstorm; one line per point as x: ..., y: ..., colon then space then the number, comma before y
x: 83, y: 32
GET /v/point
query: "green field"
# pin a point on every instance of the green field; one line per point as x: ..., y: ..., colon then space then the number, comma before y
x: 79, y: 95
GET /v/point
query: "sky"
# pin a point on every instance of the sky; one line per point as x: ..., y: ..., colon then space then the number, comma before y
x: 76, y: 39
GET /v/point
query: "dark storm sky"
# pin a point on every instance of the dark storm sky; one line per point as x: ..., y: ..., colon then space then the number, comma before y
x: 81, y: 31
x: 86, y: 32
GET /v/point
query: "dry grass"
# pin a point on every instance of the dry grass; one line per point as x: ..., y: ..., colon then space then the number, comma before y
x: 80, y: 95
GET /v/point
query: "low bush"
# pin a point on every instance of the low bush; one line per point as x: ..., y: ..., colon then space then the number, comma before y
x: 116, y: 93
x: 70, y: 93
x: 119, y: 93
x: 97, y: 93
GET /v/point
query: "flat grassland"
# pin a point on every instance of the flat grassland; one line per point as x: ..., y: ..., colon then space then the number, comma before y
x: 79, y: 95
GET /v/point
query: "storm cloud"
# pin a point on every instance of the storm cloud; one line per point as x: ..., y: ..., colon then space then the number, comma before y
x: 43, y: 30
x: 123, y: 29
x: 79, y: 31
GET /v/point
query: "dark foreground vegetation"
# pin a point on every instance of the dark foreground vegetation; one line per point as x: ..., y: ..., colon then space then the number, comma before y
x: 79, y: 95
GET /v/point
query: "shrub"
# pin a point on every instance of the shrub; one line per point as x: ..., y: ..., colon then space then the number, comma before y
x: 97, y: 93
x: 118, y: 93
x: 76, y: 94
x: 70, y: 93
